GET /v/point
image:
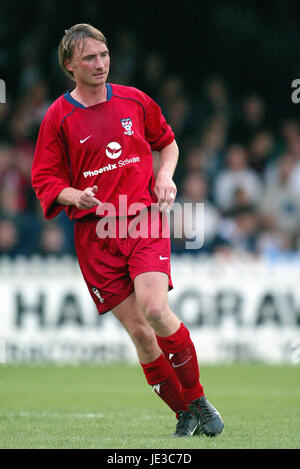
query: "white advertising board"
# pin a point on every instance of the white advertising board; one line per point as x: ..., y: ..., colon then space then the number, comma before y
x: 245, y: 311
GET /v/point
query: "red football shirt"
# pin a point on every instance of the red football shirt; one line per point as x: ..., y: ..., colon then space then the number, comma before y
x: 108, y: 145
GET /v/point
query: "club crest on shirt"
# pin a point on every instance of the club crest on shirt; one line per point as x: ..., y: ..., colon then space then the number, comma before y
x: 127, y: 124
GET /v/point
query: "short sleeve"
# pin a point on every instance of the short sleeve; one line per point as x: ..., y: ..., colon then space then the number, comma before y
x: 157, y: 132
x: 50, y: 174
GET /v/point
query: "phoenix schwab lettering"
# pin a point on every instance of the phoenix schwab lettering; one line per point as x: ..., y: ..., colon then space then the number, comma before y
x: 111, y: 166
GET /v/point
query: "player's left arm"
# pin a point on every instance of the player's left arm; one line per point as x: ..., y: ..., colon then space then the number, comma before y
x: 165, y: 188
x: 161, y: 139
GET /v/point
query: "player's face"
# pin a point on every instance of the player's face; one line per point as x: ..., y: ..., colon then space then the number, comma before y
x: 90, y: 64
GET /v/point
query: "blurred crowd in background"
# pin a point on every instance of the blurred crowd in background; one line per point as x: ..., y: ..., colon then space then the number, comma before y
x: 236, y: 156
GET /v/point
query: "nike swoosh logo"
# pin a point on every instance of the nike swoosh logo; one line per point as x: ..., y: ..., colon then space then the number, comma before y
x: 193, y: 431
x: 163, y: 258
x: 181, y: 364
x: 82, y: 141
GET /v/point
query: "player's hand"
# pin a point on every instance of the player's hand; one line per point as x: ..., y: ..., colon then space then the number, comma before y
x: 86, y: 199
x: 165, y: 191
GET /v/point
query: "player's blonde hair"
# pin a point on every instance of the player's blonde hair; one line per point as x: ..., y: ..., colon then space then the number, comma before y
x: 73, y: 36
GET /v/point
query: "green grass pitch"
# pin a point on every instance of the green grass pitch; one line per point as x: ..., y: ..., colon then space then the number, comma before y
x: 111, y: 406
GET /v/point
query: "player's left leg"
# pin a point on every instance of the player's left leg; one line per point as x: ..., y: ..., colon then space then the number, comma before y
x: 174, y: 339
x: 172, y: 336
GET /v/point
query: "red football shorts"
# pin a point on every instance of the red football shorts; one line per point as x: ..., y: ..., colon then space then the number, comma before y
x: 110, y: 264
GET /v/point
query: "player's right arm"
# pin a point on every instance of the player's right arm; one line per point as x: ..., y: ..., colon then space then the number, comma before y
x: 50, y: 173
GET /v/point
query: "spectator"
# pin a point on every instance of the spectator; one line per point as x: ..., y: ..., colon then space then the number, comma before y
x: 280, y: 205
x: 290, y: 133
x: 9, y: 238
x: 52, y: 240
x: 197, y: 159
x: 249, y: 120
x: 152, y: 74
x: 261, y: 151
x: 213, y: 140
x: 125, y: 54
x: 240, y: 230
x: 14, y: 185
x: 176, y: 106
x: 236, y: 175
x: 276, y: 244
x: 215, y: 101
x: 195, y: 191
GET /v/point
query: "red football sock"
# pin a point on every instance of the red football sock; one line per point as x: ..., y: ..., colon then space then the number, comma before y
x: 161, y: 376
x: 179, y: 350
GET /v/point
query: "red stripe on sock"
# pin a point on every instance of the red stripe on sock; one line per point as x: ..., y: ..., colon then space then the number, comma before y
x: 184, y: 361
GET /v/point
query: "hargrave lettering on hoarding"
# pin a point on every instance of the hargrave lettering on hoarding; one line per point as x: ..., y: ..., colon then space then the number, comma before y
x: 246, y: 314
x: 213, y: 310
